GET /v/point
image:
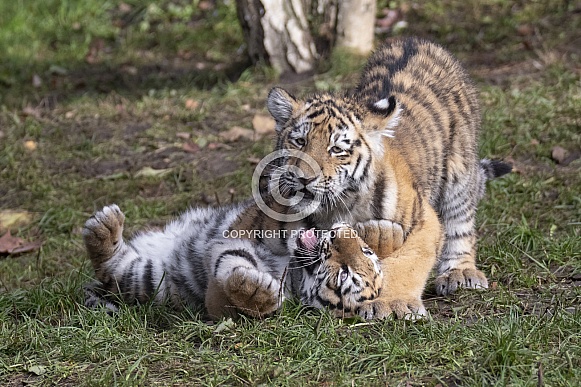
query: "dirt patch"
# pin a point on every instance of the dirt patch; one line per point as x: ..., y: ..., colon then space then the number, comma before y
x: 216, y: 164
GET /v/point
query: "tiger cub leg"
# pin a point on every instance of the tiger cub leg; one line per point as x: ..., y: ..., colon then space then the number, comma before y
x: 457, y: 263
x: 406, y: 269
x: 121, y: 269
x: 242, y: 283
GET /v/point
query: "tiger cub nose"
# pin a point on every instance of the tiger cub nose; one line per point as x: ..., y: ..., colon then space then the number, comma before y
x: 306, y: 180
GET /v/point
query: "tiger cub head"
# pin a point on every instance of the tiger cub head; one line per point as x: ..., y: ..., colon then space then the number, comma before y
x: 343, y: 272
x: 328, y: 143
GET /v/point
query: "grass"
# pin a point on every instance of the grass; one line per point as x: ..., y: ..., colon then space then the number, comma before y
x: 115, y: 84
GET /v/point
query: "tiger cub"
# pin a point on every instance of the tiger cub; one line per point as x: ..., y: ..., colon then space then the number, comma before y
x: 194, y: 262
x: 401, y: 147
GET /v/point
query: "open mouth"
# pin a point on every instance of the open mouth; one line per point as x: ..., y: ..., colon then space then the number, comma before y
x: 308, y: 240
x: 307, y: 194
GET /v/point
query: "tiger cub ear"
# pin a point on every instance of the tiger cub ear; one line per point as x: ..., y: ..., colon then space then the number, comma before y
x: 383, y: 116
x: 281, y: 105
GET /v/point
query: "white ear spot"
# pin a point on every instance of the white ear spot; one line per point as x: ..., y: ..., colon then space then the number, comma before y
x: 382, y: 104
x: 393, y: 122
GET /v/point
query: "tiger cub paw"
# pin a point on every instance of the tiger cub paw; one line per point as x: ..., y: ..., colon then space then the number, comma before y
x: 450, y: 281
x: 253, y: 292
x: 382, y: 236
x: 403, y: 309
x: 103, y: 234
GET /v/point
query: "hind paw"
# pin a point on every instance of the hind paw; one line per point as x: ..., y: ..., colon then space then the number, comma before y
x: 455, y: 279
x: 103, y: 233
x: 253, y: 292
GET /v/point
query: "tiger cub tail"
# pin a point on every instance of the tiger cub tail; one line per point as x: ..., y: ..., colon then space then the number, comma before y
x: 488, y: 170
x: 494, y: 168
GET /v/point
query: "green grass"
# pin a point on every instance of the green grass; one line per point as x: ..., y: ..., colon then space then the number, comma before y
x: 98, y: 122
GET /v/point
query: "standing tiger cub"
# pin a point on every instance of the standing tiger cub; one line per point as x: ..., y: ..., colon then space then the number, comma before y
x: 401, y: 147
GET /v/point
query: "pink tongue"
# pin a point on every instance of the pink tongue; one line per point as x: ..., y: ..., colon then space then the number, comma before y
x: 309, y: 239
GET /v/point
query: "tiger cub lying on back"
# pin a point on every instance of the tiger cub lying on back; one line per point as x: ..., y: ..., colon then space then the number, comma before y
x: 192, y: 262
x: 401, y: 147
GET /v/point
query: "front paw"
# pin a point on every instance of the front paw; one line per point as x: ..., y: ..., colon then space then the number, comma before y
x: 450, y: 281
x: 383, y: 308
x: 253, y: 292
x: 382, y: 236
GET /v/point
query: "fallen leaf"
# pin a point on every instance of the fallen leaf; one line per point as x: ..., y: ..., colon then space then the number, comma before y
x: 525, y: 30
x: 253, y: 160
x: 37, y: 370
x: 14, y: 245
x: 183, y: 135
x: 218, y: 145
x: 563, y: 157
x: 125, y: 8
x: 494, y: 285
x: 9, y: 243
x: 14, y: 219
x: 57, y: 70
x: 191, y: 147
x: 69, y: 115
x: 30, y: 111
x: 263, y: 125
x: 202, y: 142
x: 96, y: 46
x: 131, y: 70
x: 150, y: 172
x: 236, y: 132
x: 192, y: 104
x: 113, y: 176
x: 385, y: 23
x: 558, y: 154
x: 30, y: 145
x: 225, y: 326
x: 205, y: 5
x: 27, y: 247
x: 36, y: 81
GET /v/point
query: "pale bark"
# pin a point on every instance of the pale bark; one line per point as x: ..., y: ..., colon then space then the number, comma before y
x: 292, y: 35
x: 355, y: 25
x: 286, y: 43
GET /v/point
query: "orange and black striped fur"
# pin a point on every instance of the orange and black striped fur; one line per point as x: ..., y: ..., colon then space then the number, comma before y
x: 401, y: 147
x: 200, y: 259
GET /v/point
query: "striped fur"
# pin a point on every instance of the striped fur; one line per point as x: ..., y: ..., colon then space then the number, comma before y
x: 194, y: 261
x: 401, y: 147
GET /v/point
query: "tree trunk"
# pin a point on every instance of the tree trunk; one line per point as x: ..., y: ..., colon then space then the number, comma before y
x: 355, y: 25
x: 277, y: 33
x: 292, y: 35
